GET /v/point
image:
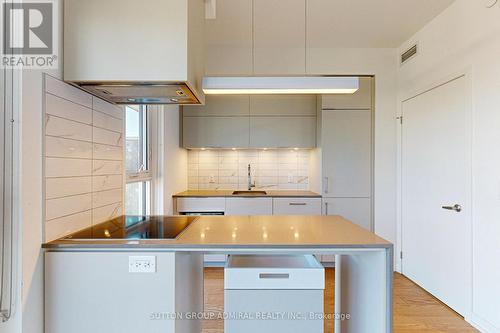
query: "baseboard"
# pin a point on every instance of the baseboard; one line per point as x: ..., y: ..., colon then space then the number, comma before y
x: 482, y: 325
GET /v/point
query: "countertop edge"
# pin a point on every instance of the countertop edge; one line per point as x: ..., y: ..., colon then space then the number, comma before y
x: 229, y: 195
x: 199, y: 248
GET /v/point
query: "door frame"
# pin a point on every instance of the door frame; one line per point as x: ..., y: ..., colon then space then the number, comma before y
x: 467, y: 74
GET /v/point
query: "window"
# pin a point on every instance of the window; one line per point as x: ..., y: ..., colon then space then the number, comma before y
x: 138, y: 161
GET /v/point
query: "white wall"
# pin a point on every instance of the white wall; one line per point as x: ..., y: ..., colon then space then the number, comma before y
x: 31, y: 193
x: 175, y: 158
x: 466, y: 39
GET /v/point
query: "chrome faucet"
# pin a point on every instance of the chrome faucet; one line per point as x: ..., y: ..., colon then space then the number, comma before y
x: 250, y: 185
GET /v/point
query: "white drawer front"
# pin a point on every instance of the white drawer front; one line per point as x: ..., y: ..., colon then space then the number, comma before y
x: 297, y: 206
x: 249, y: 206
x: 200, y: 205
x: 274, y: 272
x: 274, y: 278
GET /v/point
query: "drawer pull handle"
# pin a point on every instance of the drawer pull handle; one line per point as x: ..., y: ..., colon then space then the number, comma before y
x: 297, y: 204
x: 274, y: 276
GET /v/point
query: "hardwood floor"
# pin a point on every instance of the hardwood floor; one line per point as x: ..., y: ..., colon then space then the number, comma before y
x: 415, y: 310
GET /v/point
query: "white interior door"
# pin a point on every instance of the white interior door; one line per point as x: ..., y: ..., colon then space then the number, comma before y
x: 436, y: 174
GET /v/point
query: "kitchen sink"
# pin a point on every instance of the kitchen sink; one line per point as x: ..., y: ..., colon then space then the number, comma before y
x: 249, y: 193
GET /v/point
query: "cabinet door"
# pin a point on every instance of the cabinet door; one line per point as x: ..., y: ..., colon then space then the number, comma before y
x: 279, y: 37
x: 219, y: 105
x: 283, y: 132
x: 346, y: 149
x: 356, y: 210
x: 200, y: 205
x: 283, y: 105
x: 361, y: 99
x: 215, y: 132
x: 297, y: 206
x: 232, y: 26
x: 249, y: 206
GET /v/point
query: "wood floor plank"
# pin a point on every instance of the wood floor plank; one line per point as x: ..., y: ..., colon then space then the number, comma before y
x: 415, y: 310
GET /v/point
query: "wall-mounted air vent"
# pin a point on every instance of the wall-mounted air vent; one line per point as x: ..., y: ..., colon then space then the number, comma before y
x: 408, y: 54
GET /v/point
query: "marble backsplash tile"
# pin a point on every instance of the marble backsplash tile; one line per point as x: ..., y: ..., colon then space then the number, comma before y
x: 280, y: 169
x: 83, y: 159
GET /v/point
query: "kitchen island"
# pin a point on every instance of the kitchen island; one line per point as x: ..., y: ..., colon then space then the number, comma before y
x: 363, y: 274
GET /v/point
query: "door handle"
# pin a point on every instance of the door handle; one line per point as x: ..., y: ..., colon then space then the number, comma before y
x: 274, y: 276
x: 457, y: 208
x: 325, y: 185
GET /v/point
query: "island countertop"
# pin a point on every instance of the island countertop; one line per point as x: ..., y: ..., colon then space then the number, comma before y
x: 229, y: 193
x: 247, y: 232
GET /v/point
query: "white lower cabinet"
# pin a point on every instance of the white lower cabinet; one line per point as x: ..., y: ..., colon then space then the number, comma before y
x: 356, y: 210
x: 297, y: 206
x: 249, y: 206
x: 200, y: 205
x: 123, y: 300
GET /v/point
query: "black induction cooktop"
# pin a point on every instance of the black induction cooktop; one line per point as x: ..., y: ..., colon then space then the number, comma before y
x: 136, y: 227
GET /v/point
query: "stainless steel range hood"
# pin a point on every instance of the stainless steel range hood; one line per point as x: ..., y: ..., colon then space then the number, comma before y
x: 142, y: 93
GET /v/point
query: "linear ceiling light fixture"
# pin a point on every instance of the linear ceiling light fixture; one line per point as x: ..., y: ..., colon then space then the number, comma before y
x: 280, y: 85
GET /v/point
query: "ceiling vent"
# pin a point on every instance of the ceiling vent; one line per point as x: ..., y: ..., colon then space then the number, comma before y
x: 410, y: 53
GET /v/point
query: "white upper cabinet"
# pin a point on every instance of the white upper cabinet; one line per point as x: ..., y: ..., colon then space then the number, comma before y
x: 279, y: 37
x: 256, y: 121
x: 220, y: 105
x: 283, y: 105
x: 282, y: 132
x: 361, y: 99
x: 229, y: 39
x: 215, y: 132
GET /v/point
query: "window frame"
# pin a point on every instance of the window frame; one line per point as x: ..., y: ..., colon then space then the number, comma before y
x: 146, y: 171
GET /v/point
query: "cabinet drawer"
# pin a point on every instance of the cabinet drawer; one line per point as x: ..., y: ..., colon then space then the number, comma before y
x: 297, y: 206
x: 273, y: 272
x: 201, y: 205
x: 249, y: 206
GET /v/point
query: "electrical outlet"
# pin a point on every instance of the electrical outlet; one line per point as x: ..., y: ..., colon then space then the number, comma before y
x: 212, y: 179
x: 142, y: 264
x: 290, y: 178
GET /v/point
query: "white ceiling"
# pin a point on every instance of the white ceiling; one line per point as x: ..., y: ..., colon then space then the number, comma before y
x: 368, y: 23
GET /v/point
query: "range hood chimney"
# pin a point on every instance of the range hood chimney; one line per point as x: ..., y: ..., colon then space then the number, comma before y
x: 136, y: 52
